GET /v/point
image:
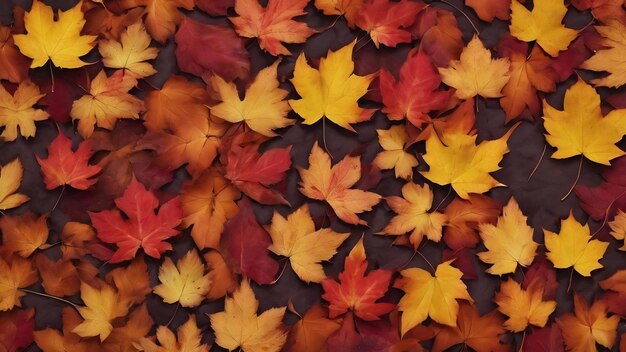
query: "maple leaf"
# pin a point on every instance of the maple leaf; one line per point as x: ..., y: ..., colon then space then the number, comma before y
x: 273, y: 24
x: 589, y: 325
x: 74, y: 239
x: 310, y: 333
x: 162, y: 16
x: 17, y: 330
x: 185, y: 283
x: 131, y: 52
x: 586, y: 132
x: 222, y: 278
x: 476, y: 73
x: 240, y: 326
x: 15, y: 273
x: 14, y: 65
x: 245, y: 243
x: 463, y: 164
x: 189, y: 339
x: 124, y: 338
x: 573, y: 247
x: 131, y: 282
x: 143, y: 229
x: 529, y: 74
x: 386, y: 21
x: 394, y: 155
x: 295, y: 238
x: 108, y: 100
x: 207, y: 203
x: 17, y: 111
x: 65, y: 167
x: 413, y: 215
x: 58, y: 278
x: 427, y: 295
x: 600, y: 202
x: 101, y: 306
x: 10, y: 179
x: 59, y: 41
x: 332, y: 91
x: 615, y: 297
x: 488, y: 10
x: 415, y: 93
x: 23, y: 234
x: 263, y: 108
x: 618, y: 228
x: 321, y: 182
x: 464, y: 217
x: 611, y: 57
x: 508, y: 243
x: 52, y: 340
x: 523, y: 307
x: 110, y: 25
x: 346, y: 8
x: 441, y: 38
x: 357, y: 291
x: 481, y: 333
x: 547, y: 339
x: 542, y: 24
x: 203, y: 49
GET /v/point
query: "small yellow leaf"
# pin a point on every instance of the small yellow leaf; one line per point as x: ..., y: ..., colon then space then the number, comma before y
x: 523, y: 307
x: 10, y: 179
x: 189, y: 337
x: 394, y: 156
x: 101, y: 307
x: 16, y: 274
x: 185, y: 283
x: 618, y: 228
x: 23, y: 234
x: 612, y: 58
x: 131, y: 52
x: 17, y: 111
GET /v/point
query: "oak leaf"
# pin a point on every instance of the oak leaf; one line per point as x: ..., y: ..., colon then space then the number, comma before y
x: 357, y: 291
x: 59, y: 41
x: 143, y: 228
x: 130, y: 53
x: 523, y: 306
x: 332, y: 91
x: 10, y: 179
x: 427, y: 295
x: 509, y: 242
x: 108, y: 100
x: 102, y: 305
x: 273, y: 25
x: 574, y: 247
x: 240, y: 326
x: 15, y: 274
x: 321, y: 182
x: 310, y: 333
x: 589, y: 325
x: 580, y: 129
x: 189, y: 339
x: 263, y: 108
x: 185, y: 283
x: 386, y: 21
x: 415, y: 93
x: 488, y: 10
x: 17, y: 111
x: 394, y: 142
x: 23, y: 234
x: 66, y: 167
x: 618, y: 228
x: 295, y: 238
x: 347, y: 8
x: 14, y: 66
x: 414, y: 216
x: 476, y: 73
x: 542, y: 24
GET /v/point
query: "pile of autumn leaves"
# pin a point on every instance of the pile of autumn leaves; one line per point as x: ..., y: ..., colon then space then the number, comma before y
x: 215, y: 134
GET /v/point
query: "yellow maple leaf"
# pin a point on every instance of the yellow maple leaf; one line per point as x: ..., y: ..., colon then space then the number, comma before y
x: 240, y: 326
x: 321, y: 182
x: 102, y: 305
x: 17, y: 111
x: 413, y: 215
x: 523, y: 307
x: 108, y: 100
x: 332, y: 91
x: 618, y: 228
x: 14, y: 275
x: 263, y: 108
x: 427, y: 295
x: 463, y: 164
x: 542, y: 24
x: 394, y: 156
x: 508, y: 243
x: 59, y: 41
x: 131, y: 52
x: 23, y: 234
x: 573, y: 247
x: 295, y: 238
x: 476, y: 73
x: 611, y: 57
x: 10, y: 179
x: 189, y: 337
x: 185, y: 283
x: 580, y: 127
x: 347, y: 8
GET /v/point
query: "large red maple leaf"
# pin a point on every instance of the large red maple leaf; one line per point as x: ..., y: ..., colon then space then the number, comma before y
x: 143, y: 229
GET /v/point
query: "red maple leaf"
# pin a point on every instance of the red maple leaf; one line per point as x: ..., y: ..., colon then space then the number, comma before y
x: 600, y: 202
x: 415, y: 93
x: 356, y: 291
x: 385, y: 20
x: 65, y: 167
x: 143, y: 229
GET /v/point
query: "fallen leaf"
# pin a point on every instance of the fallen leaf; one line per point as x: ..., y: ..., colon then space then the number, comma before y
x: 386, y: 21
x: 58, y: 278
x: 222, y: 278
x: 441, y: 38
x: 130, y: 53
x: 23, y: 234
x: 185, y: 283
x: 464, y: 217
x: 10, y: 179
x: 610, y: 59
x: 15, y: 273
x: 310, y: 333
x: 547, y: 339
x: 14, y: 65
x: 618, y: 228
x: 189, y: 339
x: 17, y: 330
x: 394, y: 142
x: 17, y: 111
x: 132, y: 282
x: 489, y: 10
x: 346, y: 8
x: 102, y: 305
x: 523, y: 307
x: 162, y: 16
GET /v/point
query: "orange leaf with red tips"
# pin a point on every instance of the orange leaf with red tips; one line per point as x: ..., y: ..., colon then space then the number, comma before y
x: 386, y: 21
x: 143, y: 229
x: 357, y: 291
x: 65, y: 167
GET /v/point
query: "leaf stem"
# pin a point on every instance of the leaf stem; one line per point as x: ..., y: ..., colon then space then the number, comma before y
x: 324, y: 137
x: 58, y: 199
x: 545, y: 146
x: 426, y: 260
x: 174, y: 314
x: 444, y: 198
x: 74, y: 305
x: 571, y: 275
x: 521, y: 346
x: 281, y: 273
x: 580, y: 166
x: 51, y: 77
